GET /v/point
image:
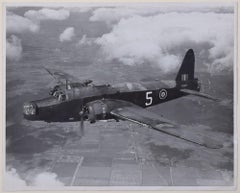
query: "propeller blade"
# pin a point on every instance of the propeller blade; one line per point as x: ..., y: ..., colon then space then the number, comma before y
x: 81, y: 129
x: 82, y: 126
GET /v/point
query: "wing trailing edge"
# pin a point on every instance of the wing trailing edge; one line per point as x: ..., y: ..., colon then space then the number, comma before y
x: 191, y: 135
x: 141, y: 116
x: 199, y: 94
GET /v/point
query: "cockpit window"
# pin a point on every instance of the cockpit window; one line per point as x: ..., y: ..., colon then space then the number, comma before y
x: 59, y: 95
x: 56, y: 94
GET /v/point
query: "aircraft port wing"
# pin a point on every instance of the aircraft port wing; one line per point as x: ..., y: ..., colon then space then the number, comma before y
x: 62, y: 77
x: 146, y: 118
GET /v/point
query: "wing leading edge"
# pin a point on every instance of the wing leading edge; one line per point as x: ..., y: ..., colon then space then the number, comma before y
x: 146, y: 118
x: 63, y: 77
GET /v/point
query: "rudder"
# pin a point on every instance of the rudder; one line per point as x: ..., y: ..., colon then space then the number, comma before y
x: 186, y: 71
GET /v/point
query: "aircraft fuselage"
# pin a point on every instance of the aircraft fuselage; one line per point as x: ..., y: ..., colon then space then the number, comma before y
x: 52, y: 110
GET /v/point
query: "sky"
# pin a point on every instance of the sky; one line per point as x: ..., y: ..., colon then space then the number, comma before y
x: 110, y: 44
x: 132, y: 36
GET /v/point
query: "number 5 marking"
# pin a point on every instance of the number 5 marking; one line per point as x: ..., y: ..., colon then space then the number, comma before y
x: 149, y: 99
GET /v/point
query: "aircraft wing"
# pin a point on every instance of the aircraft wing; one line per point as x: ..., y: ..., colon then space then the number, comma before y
x: 199, y: 94
x: 61, y: 77
x: 144, y: 117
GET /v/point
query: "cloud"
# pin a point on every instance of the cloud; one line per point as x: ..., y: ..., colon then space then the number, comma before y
x: 47, y: 179
x: 85, y: 40
x: 31, y: 20
x: 114, y: 14
x: 13, y: 181
x: 157, y: 39
x: 67, y: 34
x: 19, y: 24
x: 47, y: 14
x: 111, y: 15
x: 13, y: 48
x: 79, y: 9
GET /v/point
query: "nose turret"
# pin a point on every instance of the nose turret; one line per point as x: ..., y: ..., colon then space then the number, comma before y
x: 29, y: 110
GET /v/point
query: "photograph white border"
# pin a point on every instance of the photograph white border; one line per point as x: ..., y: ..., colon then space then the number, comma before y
x: 140, y: 3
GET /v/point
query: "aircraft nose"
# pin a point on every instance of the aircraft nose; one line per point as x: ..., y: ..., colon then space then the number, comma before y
x: 29, y: 108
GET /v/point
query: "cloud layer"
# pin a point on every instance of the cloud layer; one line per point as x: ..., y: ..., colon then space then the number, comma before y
x: 145, y: 35
x: 114, y: 14
x: 30, y: 22
x: 47, y: 14
x: 67, y: 34
x: 154, y: 39
x: 19, y: 24
x: 13, y: 48
x: 12, y: 180
x: 111, y: 15
x: 46, y: 179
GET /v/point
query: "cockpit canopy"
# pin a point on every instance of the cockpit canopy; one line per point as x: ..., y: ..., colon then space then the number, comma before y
x: 66, y: 83
x: 61, y: 92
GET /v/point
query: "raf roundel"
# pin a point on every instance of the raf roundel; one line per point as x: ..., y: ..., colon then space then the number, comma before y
x: 162, y: 94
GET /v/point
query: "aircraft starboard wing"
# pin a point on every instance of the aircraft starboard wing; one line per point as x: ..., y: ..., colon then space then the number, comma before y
x: 141, y: 116
x: 144, y: 117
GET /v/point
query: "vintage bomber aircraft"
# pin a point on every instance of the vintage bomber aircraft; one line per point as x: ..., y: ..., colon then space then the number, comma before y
x: 79, y: 101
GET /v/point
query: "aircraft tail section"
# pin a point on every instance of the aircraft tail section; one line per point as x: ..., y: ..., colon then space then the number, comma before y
x: 185, y: 80
x: 186, y: 71
x: 185, y: 77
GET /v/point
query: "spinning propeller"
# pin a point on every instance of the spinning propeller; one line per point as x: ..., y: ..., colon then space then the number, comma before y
x: 81, y: 129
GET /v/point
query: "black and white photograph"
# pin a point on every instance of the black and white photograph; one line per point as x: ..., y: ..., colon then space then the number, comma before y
x: 120, y: 96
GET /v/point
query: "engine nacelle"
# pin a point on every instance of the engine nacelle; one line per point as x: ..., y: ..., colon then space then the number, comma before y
x: 97, y: 110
